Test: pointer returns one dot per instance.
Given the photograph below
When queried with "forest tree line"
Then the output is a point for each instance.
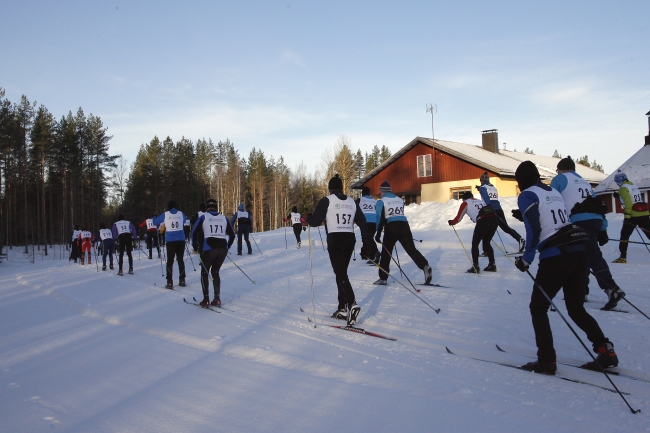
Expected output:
(57, 174)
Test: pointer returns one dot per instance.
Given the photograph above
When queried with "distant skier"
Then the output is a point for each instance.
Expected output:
(209, 236)
(390, 214)
(86, 239)
(562, 265)
(105, 237)
(195, 218)
(636, 212)
(124, 231)
(186, 229)
(340, 213)
(297, 222)
(75, 244)
(487, 221)
(368, 206)
(244, 222)
(152, 235)
(588, 212)
(174, 221)
(490, 196)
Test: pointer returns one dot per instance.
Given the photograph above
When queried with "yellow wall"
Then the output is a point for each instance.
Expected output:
(441, 192)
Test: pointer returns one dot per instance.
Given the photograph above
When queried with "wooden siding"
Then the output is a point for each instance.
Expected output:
(402, 173)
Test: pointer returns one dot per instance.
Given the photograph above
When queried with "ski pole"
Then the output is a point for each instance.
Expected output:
(417, 240)
(639, 232)
(321, 238)
(96, 262)
(461, 244)
(403, 285)
(624, 298)
(233, 262)
(504, 246)
(311, 275)
(190, 255)
(629, 242)
(400, 268)
(286, 244)
(258, 248)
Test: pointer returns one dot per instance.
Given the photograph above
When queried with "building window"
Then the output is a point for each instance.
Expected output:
(457, 193)
(424, 165)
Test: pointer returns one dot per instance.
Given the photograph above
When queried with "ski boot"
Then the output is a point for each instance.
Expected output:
(540, 367)
(340, 314)
(169, 285)
(606, 357)
(353, 314)
(380, 282)
(427, 274)
(492, 267)
(298, 245)
(104, 268)
(620, 260)
(473, 270)
(131, 271)
(111, 268)
(216, 302)
(119, 272)
(205, 302)
(181, 283)
(614, 297)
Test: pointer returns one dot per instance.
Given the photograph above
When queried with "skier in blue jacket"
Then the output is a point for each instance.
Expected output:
(175, 239)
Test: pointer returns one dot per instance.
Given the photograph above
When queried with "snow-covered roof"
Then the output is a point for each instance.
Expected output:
(504, 163)
(637, 169)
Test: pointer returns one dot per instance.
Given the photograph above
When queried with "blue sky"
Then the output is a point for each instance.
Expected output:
(291, 77)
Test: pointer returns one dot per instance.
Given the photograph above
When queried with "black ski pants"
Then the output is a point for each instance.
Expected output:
(211, 261)
(175, 249)
(243, 229)
(340, 247)
(126, 243)
(108, 245)
(398, 231)
(503, 225)
(152, 241)
(297, 228)
(483, 232)
(629, 224)
(595, 260)
(372, 254)
(570, 272)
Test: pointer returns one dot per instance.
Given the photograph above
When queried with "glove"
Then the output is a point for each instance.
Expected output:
(478, 188)
(450, 222)
(304, 229)
(195, 247)
(516, 213)
(378, 238)
(602, 237)
(521, 264)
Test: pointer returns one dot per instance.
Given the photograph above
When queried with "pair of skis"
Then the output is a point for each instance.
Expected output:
(350, 328)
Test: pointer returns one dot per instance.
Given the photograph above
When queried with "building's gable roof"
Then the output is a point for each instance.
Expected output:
(503, 163)
(637, 169)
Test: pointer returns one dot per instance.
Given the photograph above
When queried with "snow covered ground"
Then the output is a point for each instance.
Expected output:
(89, 351)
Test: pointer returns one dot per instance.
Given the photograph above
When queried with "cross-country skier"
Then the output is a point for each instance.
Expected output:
(105, 237)
(368, 205)
(490, 196)
(244, 222)
(487, 221)
(210, 232)
(588, 212)
(125, 233)
(152, 235)
(636, 212)
(297, 222)
(340, 213)
(86, 239)
(562, 265)
(174, 221)
(390, 215)
(75, 244)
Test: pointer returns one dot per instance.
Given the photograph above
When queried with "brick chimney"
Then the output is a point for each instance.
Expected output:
(647, 137)
(490, 140)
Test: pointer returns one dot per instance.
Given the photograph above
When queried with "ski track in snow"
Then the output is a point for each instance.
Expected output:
(83, 350)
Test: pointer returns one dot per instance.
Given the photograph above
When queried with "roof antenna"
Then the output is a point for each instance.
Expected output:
(433, 109)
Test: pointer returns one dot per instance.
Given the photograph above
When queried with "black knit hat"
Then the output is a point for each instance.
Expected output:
(171, 205)
(526, 175)
(385, 186)
(365, 191)
(467, 195)
(210, 203)
(335, 183)
(294, 209)
(566, 164)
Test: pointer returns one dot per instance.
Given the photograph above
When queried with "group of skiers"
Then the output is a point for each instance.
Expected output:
(565, 222)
